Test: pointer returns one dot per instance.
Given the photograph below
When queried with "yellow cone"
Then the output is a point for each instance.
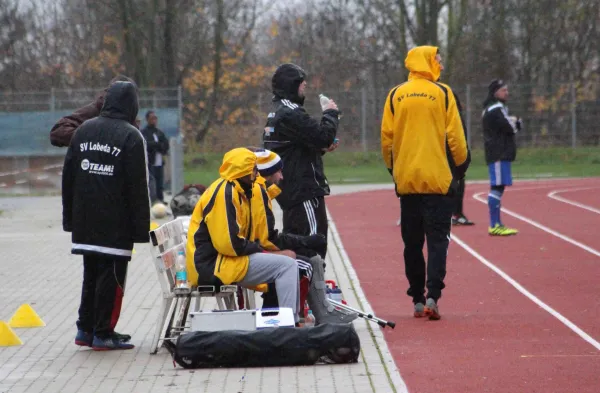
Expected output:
(25, 317)
(8, 337)
(153, 225)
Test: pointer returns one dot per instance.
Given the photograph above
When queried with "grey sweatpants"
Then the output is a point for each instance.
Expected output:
(267, 268)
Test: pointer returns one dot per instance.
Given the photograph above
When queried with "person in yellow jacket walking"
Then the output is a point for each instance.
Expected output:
(221, 236)
(422, 139)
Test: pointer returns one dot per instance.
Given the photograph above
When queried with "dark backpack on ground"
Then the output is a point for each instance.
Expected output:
(184, 201)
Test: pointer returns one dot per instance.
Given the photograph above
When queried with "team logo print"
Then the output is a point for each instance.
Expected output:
(97, 169)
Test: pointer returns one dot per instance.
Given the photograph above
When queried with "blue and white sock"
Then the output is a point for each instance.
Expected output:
(494, 202)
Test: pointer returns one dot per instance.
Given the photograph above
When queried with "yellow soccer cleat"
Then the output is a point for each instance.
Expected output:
(501, 230)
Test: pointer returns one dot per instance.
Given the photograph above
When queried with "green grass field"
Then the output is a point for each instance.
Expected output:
(345, 167)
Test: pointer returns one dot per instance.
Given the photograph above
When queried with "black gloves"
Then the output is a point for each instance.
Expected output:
(288, 241)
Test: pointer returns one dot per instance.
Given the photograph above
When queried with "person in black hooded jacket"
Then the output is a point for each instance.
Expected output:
(300, 141)
(106, 207)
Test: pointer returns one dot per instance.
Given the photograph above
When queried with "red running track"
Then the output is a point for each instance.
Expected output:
(491, 337)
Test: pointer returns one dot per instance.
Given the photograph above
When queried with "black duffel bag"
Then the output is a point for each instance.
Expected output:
(272, 347)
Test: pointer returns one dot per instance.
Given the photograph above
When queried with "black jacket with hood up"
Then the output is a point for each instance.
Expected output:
(299, 139)
(104, 184)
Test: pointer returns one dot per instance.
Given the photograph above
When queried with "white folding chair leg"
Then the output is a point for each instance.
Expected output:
(220, 304)
(230, 301)
(163, 316)
(180, 317)
(167, 322)
(249, 299)
(197, 300)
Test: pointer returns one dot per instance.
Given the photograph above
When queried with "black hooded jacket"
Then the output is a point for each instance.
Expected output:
(104, 183)
(299, 139)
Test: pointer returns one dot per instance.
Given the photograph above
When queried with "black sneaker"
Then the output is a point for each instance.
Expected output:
(124, 338)
(109, 344)
(461, 220)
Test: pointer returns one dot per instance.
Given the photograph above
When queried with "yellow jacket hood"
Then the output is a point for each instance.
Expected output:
(421, 63)
(237, 163)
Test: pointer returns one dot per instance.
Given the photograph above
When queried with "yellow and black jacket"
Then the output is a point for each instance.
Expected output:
(221, 227)
(262, 211)
(421, 129)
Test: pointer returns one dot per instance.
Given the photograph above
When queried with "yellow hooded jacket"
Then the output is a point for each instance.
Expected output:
(221, 230)
(420, 122)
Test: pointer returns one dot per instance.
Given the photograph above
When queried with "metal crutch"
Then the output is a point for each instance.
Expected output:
(368, 317)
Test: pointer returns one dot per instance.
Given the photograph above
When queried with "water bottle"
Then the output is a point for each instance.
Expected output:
(181, 282)
(336, 295)
(309, 321)
(324, 101)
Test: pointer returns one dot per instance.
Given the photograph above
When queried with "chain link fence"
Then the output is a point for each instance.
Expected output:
(29, 164)
(559, 114)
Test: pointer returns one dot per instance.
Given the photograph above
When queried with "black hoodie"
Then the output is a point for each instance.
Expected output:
(104, 183)
(299, 139)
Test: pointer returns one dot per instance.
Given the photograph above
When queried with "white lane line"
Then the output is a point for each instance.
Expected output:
(542, 227)
(528, 294)
(553, 195)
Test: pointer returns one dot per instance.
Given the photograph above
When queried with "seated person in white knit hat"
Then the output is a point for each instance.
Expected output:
(311, 270)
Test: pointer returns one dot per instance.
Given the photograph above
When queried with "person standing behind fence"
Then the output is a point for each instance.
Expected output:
(158, 146)
(420, 125)
(106, 208)
(62, 132)
(500, 151)
(300, 141)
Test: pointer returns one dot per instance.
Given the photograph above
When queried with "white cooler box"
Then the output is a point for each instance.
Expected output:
(212, 321)
(274, 317)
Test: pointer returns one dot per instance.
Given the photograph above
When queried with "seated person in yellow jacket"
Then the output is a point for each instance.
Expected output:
(311, 270)
(221, 233)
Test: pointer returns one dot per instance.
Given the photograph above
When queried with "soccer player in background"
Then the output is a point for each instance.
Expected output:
(499, 132)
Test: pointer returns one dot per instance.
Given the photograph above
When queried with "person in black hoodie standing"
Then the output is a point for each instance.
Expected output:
(300, 141)
(157, 146)
(106, 208)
